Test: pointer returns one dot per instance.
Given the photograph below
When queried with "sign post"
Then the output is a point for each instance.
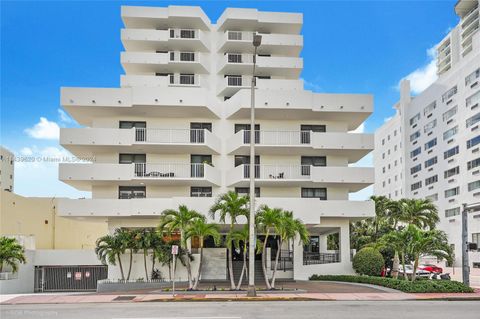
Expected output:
(174, 253)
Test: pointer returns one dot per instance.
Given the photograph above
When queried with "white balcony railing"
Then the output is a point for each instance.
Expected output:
(172, 136)
(169, 170)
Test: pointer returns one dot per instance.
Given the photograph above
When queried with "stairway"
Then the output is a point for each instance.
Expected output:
(237, 270)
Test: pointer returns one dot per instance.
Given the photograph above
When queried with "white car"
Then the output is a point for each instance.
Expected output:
(409, 271)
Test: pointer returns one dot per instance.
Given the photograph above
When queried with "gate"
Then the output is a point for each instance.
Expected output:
(68, 278)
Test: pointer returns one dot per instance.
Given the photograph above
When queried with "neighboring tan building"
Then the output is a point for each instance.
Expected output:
(7, 165)
(431, 147)
(176, 132)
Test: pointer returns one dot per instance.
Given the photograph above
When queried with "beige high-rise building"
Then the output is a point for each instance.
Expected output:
(7, 168)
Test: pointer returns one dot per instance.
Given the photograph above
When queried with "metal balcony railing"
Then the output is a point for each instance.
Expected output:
(169, 170)
(279, 137)
(314, 258)
(281, 172)
(170, 136)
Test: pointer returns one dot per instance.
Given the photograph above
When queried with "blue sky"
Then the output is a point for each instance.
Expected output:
(349, 47)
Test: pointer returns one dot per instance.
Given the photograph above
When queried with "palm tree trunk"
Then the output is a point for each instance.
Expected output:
(403, 264)
(130, 265)
(153, 263)
(264, 261)
(279, 244)
(395, 265)
(415, 266)
(197, 280)
(230, 261)
(244, 268)
(121, 266)
(183, 243)
(145, 263)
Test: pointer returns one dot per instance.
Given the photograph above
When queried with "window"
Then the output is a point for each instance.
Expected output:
(473, 99)
(415, 152)
(449, 133)
(415, 169)
(451, 172)
(416, 185)
(234, 58)
(308, 161)
(473, 186)
(132, 124)
(245, 191)
(187, 34)
(430, 162)
(128, 192)
(473, 163)
(320, 193)
(235, 35)
(429, 126)
(450, 113)
(472, 142)
(132, 158)
(473, 120)
(414, 136)
(415, 119)
(196, 191)
(431, 180)
(452, 212)
(472, 77)
(187, 79)
(430, 144)
(452, 192)
(451, 152)
(430, 108)
(448, 95)
(476, 239)
(187, 56)
(432, 198)
(306, 129)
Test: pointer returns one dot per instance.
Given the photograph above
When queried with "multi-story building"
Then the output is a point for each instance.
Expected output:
(177, 131)
(430, 148)
(7, 168)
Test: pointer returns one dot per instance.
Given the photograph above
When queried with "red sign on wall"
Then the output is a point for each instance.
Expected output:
(78, 275)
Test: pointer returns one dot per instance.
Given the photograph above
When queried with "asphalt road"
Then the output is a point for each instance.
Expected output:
(251, 310)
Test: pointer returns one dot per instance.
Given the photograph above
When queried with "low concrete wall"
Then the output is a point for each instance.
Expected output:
(128, 286)
(24, 283)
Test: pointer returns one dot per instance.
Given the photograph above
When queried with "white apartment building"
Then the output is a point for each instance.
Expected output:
(7, 168)
(431, 147)
(176, 132)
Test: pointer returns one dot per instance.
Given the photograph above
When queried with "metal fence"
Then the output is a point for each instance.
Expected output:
(68, 278)
(310, 258)
(285, 260)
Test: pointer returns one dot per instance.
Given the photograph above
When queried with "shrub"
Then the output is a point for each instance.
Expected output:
(368, 261)
(417, 286)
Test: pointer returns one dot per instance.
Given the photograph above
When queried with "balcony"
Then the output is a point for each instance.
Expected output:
(171, 80)
(285, 67)
(309, 210)
(288, 104)
(153, 40)
(164, 62)
(279, 44)
(87, 104)
(90, 141)
(231, 84)
(83, 176)
(354, 146)
(353, 178)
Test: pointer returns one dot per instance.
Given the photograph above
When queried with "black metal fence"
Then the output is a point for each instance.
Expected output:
(285, 260)
(314, 258)
(68, 278)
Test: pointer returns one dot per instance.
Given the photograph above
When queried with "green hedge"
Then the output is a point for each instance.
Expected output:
(417, 286)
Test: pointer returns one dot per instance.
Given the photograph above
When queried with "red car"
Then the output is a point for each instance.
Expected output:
(431, 268)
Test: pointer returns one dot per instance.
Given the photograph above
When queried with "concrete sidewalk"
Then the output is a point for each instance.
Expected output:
(122, 298)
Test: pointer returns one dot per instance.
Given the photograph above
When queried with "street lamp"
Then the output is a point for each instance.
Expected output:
(257, 40)
(465, 245)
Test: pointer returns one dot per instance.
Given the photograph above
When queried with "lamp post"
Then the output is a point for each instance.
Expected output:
(465, 264)
(257, 40)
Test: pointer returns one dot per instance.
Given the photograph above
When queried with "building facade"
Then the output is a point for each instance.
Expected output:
(177, 131)
(430, 148)
(7, 168)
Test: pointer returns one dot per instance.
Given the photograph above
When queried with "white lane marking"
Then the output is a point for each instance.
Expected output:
(183, 318)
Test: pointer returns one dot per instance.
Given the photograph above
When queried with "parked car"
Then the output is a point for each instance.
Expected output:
(431, 268)
(409, 271)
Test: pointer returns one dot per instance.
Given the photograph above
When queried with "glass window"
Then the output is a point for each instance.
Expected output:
(416, 168)
(430, 144)
(320, 193)
(128, 192)
(449, 133)
(414, 136)
(450, 113)
(416, 185)
(196, 191)
(433, 197)
(473, 163)
(452, 212)
(430, 108)
(415, 119)
(430, 126)
(472, 77)
(473, 185)
(415, 152)
(246, 191)
(452, 192)
(473, 99)
(476, 239)
(451, 172)
(132, 158)
(431, 180)
(451, 152)
(473, 120)
(431, 161)
(448, 95)
(472, 142)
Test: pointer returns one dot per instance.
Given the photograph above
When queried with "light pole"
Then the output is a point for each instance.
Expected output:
(257, 40)
(465, 264)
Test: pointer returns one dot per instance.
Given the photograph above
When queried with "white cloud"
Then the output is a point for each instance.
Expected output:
(360, 129)
(311, 86)
(385, 120)
(27, 151)
(424, 76)
(44, 129)
(64, 117)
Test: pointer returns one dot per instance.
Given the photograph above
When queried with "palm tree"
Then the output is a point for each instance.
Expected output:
(419, 212)
(109, 249)
(266, 219)
(287, 228)
(157, 245)
(200, 229)
(396, 240)
(180, 220)
(144, 240)
(431, 242)
(231, 205)
(127, 240)
(382, 206)
(11, 253)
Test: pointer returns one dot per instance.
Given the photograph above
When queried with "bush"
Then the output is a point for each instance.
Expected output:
(417, 286)
(368, 261)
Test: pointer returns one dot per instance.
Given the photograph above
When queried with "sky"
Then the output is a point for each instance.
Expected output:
(349, 47)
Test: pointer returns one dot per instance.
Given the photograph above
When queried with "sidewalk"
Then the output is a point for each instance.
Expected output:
(117, 298)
